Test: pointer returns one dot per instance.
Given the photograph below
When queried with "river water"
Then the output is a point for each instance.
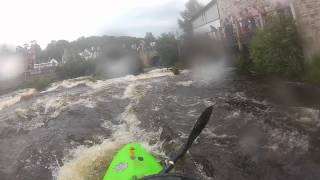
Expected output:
(74, 128)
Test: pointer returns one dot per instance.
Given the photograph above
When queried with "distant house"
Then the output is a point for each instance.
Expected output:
(52, 63)
(43, 68)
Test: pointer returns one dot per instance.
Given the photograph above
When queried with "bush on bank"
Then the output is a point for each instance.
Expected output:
(40, 83)
(275, 50)
(312, 70)
(73, 69)
(243, 61)
(167, 47)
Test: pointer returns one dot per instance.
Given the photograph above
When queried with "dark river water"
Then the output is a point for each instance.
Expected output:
(258, 130)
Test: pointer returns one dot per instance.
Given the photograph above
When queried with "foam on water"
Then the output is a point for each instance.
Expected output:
(184, 83)
(27, 123)
(54, 105)
(90, 163)
(129, 92)
(210, 134)
(308, 115)
(100, 84)
(45, 107)
(209, 72)
(9, 100)
(290, 141)
(68, 83)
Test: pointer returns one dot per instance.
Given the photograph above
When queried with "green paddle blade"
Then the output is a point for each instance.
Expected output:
(132, 162)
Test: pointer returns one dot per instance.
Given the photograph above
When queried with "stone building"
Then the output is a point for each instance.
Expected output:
(306, 12)
(236, 8)
(308, 18)
(207, 19)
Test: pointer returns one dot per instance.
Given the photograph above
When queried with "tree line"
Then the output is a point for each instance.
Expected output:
(56, 49)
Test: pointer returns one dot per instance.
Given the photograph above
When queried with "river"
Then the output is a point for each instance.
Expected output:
(74, 128)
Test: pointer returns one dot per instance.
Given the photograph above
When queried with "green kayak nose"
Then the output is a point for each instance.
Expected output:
(132, 162)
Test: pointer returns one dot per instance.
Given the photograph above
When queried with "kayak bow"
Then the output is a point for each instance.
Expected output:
(133, 162)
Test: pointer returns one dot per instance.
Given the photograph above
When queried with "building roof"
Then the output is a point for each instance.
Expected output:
(53, 61)
(209, 5)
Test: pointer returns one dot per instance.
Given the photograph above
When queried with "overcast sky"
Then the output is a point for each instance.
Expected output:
(46, 20)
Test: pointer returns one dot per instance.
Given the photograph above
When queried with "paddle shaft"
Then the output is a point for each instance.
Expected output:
(196, 130)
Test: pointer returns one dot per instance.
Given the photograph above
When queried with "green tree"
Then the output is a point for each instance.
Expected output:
(70, 54)
(36, 49)
(73, 69)
(149, 38)
(191, 8)
(55, 49)
(43, 56)
(167, 47)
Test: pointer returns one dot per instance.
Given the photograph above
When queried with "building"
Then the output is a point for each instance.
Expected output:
(42, 69)
(31, 69)
(28, 56)
(217, 15)
(243, 16)
(240, 8)
(207, 20)
(307, 13)
(52, 63)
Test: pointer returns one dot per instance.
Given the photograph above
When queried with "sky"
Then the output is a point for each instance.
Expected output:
(46, 20)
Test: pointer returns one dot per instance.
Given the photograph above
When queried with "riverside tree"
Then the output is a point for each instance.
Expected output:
(167, 47)
(191, 8)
